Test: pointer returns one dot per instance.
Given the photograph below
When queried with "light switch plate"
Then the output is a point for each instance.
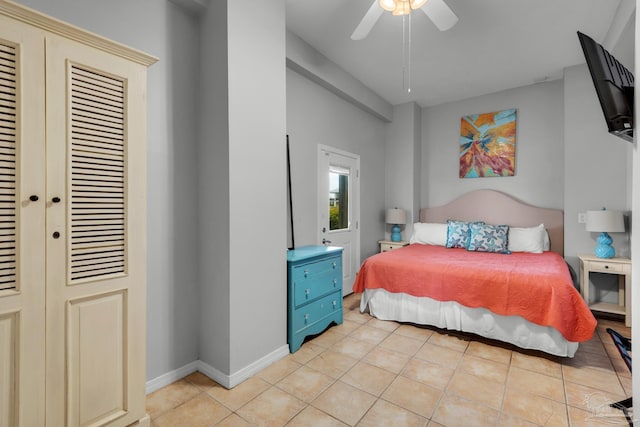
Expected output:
(582, 217)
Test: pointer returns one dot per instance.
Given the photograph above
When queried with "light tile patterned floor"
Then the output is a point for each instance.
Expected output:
(367, 372)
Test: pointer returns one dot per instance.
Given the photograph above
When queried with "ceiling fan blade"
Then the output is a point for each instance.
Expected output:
(368, 21)
(440, 14)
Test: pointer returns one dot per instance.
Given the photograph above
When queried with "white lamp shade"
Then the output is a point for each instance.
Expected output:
(396, 216)
(605, 221)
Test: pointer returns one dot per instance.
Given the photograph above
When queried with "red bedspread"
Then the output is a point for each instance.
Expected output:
(537, 287)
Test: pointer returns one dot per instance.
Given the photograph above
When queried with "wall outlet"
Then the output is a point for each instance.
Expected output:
(582, 217)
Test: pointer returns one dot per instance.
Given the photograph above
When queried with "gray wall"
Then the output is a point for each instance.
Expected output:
(307, 61)
(317, 116)
(257, 163)
(172, 294)
(213, 187)
(243, 184)
(596, 172)
(539, 147)
(403, 164)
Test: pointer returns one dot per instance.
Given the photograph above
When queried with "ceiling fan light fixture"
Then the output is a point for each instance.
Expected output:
(403, 7)
(417, 4)
(388, 5)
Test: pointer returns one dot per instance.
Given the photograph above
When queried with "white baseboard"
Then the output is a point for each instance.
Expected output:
(258, 365)
(172, 376)
(227, 381)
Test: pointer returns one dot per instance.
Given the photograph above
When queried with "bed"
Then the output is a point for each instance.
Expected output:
(525, 297)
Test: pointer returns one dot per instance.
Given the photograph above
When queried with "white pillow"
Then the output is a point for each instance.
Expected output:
(429, 233)
(528, 239)
(547, 243)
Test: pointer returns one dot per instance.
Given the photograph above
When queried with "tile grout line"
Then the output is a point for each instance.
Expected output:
(504, 388)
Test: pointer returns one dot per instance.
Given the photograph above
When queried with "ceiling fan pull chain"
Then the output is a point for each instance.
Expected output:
(406, 52)
(409, 55)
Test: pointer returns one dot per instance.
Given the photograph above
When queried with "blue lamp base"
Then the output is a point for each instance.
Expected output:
(395, 233)
(604, 248)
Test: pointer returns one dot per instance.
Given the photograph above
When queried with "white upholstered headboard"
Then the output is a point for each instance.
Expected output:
(494, 207)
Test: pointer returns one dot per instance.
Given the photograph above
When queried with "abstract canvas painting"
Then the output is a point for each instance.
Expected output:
(488, 144)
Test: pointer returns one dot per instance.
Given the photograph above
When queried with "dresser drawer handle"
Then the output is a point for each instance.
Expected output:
(306, 273)
(606, 267)
(334, 304)
(306, 317)
(307, 292)
(333, 264)
(335, 282)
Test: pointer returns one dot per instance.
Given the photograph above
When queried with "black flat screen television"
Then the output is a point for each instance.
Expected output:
(614, 86)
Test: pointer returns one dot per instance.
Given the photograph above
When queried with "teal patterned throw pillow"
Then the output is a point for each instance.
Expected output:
(457, 234)
(488, 238)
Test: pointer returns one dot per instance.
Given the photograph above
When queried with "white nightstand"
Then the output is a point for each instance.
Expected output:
(388, 245)
(619, 266)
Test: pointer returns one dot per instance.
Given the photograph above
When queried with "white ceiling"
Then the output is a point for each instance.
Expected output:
(496, 44)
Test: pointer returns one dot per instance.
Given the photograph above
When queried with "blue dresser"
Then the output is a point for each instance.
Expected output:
(314, 291)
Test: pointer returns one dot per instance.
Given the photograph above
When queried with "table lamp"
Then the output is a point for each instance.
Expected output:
(604, 222)
(395, 216)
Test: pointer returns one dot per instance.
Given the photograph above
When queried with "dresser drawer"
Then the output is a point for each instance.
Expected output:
(388, 245)
(315, 269)
(310, 288)
(606, 267)
(312, 313)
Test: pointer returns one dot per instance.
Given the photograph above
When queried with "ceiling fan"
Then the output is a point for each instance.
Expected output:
(437, 11)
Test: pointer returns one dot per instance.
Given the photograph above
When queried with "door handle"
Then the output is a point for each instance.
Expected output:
(325, 241)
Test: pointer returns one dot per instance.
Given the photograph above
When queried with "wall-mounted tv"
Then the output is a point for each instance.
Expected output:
(614, 86)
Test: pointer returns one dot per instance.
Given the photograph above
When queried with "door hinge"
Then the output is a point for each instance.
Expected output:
(357, 225)
(357, 173)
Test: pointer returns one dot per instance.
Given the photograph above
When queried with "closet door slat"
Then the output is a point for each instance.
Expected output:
(98, 165)
(7, 166)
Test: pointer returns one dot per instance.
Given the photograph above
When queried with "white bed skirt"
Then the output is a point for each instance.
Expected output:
(451, 315)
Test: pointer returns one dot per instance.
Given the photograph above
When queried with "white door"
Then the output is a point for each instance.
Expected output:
(95, 222)
(339, 208)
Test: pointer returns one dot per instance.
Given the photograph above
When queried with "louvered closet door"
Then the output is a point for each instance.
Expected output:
(95, 237)
(22, 280)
